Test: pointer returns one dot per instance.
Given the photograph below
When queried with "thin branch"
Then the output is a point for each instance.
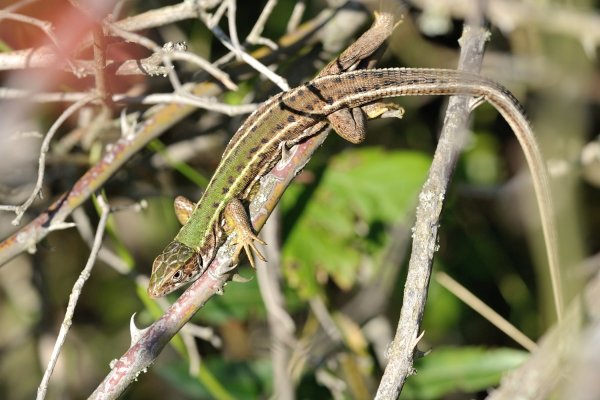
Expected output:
(165, 15)
(171, 52)
(484, 310)
(255, 35)
(74, 297)
(205, 65)
(192, 352)
(431, 198)
(296, 16)
(203, 332)
(102, 86)
(247, 58)
(231, 10)
(182, 98)
(20, 210)
(200, 102)
(550, 369)
(84, 227)
(281, 324)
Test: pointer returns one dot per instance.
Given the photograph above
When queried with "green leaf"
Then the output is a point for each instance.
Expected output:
(466, 369)
(361, 186)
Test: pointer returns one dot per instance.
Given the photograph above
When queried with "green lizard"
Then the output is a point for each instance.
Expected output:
(338, 96)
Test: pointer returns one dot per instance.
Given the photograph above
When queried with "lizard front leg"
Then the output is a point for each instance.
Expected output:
(236, 220)
(184, 208)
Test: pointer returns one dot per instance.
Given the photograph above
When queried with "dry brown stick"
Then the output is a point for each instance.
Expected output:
(102, 84)
(451, 143)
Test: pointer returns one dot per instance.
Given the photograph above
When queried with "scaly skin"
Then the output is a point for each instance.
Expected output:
(286, 118)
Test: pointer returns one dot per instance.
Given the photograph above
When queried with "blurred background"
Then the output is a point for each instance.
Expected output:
(344, 225)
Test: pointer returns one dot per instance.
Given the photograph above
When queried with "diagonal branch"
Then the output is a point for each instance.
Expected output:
(150, 344)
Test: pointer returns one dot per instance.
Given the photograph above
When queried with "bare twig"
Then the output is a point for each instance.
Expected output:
(204, 333)
(281, 325)
(431, 198)
(253, 62)
(20, 210)
(165, 15)
(484, 310)
(192, 352)
(74, 297)
(84, 227)
(231, 10)
(325, 319)
(102, 85)
(296, 16)
(196, 101)
(551, 367)
(255, 35)
(169, 52)
(183, 98)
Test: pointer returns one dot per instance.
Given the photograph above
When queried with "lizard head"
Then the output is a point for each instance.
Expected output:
(177, 265)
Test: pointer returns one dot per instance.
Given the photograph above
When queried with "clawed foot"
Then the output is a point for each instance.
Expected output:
(236, 220)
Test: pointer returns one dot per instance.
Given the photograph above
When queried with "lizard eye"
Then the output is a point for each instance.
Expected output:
(177, 276)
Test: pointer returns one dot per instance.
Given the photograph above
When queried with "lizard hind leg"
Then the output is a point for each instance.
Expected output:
(350, 124)
(236, 220)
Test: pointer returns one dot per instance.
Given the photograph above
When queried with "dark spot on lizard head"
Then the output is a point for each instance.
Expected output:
(291, 118)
